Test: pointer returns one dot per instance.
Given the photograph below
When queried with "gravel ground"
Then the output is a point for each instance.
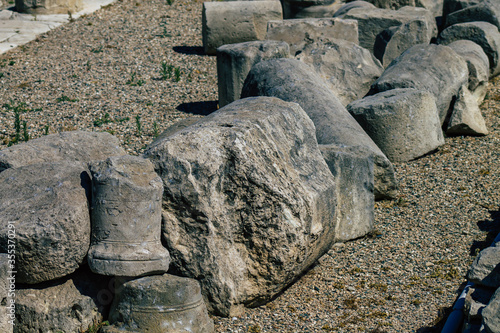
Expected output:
(103, 72)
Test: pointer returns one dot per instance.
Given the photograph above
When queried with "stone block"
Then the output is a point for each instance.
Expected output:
(485, 11)
(232, 22)
(47, 203)
(434, 6)
(7, 301)
(126, 218)
(293, 81)
(160, 303)
(466, 118)
(351, 5)
(404, 123)
(485, 269)
(484, 34)
(293, 8)
(491, 314)
(49, 6)
(434, 68)
(234, 61)
(450, 6)
(300, 32)
(249, 202)
(476, 300)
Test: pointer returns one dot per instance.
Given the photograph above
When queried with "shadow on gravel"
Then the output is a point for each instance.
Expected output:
(199, 108)
(492, 227)
(438, 323)
(189, 50)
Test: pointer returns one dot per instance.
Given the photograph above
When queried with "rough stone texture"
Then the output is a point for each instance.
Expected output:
(293, 81)
(353, 172)
(485, 270)
(160, 304)
(434, 6)
(72, 146)
(7, 309)
(373, 21)
(491, 317)
(47, 203)
(404, 123)
(348, 68)
(351, 5)
(300, 32)
(450, 6)
(486, 11)
(478, 65)
(174, 128)
(126, 218)
(321, 11)
(234, 61)
(466, 118)
(72, 304)
(390, 43)
(476, 300)
(292, 8)
(484, 34)
(249, 202)
(49, 6)
(434, 68)
(232, 22)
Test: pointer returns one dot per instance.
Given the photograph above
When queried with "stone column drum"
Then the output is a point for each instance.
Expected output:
(159, 304)
(126, 218)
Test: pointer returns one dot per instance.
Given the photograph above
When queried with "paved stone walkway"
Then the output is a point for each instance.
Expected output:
(18, 29)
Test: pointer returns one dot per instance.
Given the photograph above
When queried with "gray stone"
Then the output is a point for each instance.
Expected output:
(466, 118)
(72, 146)
(293, 8)
(174, 128)
(320, 11)
(249, 202)
(478, 65)
(47, 204)
(293, 81)
(485, 269)
(434, 68)
(390, 43)
(450, 6)
(300, 32)
(49, 6)
(486, 11)
(126, 218)
(72, 304)
(348, 68)
(484, 34)
(353, 172)
(372, 22)
(161, 303)
(234, 61)
(404, 123)
(232, 22)
(435, 6)
(491, 314)
(351, 5)
(7, 300)
(475, 301)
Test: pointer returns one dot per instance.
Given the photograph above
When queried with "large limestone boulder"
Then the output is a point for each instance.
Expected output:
(491, 314)
(293, 81)
(434, 6)
(486, 11)
(47, 203)
(49, 6)
(72, 146)
(485, 269)
(434, 68)
(249, 202)
(372, 22)
(478, 65)
(72, 304)
(466, 118)
(232, 22)
(159, 303)
(404, 123)
(300, 32)
(234, 61)
(484, 34)
(348, 68)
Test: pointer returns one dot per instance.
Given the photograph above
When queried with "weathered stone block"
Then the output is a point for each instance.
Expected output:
(292, 8)
(404, 123)
(47, 204)
(232, 22)
(466, 118)
(300, 32)
(234, 61)
(49, 6)
(249, 202)
(485, 11)
(293, 81)
(351, 5)
(160, 303)
(491, 317)
(126, 218)
(434, 68)
(476, 300)
(485, 269)
(7, 301)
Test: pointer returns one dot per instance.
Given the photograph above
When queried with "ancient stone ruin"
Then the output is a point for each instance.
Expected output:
(242, 202)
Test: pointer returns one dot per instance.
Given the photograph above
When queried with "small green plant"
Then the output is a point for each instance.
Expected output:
(88, 65)
(18, 110)
(166, 70)
(254, 329)
(65, 98)
(177, 73)
(97, 327)
(97, 49)
(170, 2)
(70, 17)
(103, 120)
(1, 75)
(26, 135)
(155, 129)
(133, 82)
(138, 124)
(123, 119)
(12, 63)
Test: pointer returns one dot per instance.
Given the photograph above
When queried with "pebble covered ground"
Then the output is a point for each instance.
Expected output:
(135, 67)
